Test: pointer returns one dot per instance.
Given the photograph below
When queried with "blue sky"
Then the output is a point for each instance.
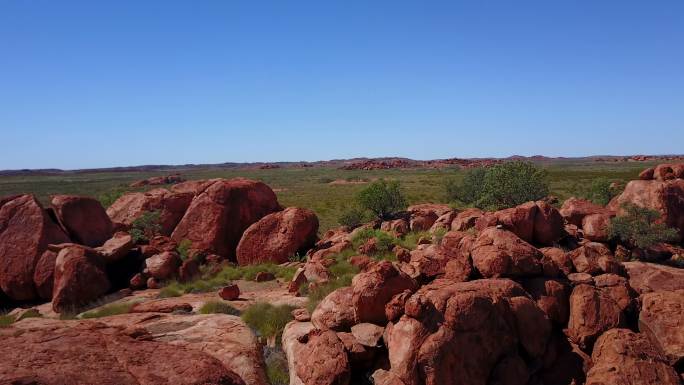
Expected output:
(97, 84)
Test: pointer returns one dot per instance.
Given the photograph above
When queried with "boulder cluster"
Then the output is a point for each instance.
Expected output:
(75, 251)
(526, 295)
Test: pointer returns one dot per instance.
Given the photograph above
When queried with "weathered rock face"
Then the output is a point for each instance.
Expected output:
(552, 297)
(44, 274)
(292, 334)
(335, 311)
(594, 258)
(461, 333)
(423, 216)
(80, 278)
(278, 236)
(216, 218)
(83, 218)
(548, 224)
(163, 266)
(466, 219)
(25, 232)
(116, 248)
(323, 360)
(622, 357)
(667, 197)
(429, 261)
(662, 320)
(559, 258)
(518, 220)
(374, 288)
(500, 253)
(574, 210)
(443, 223)
(592, 312)
(164, 305)
(170, 205)
(158, 349)
(595, 227)
(667, 171)
(398, 227)
(648, 277)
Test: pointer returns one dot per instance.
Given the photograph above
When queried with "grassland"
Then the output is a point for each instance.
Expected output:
(311, 187)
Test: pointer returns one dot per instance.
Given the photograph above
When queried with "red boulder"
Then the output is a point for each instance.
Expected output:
(170, 205)
(278, 236)
(500, 253)
(25, 231)
(80, 278)
(217, 217)
(83, 218)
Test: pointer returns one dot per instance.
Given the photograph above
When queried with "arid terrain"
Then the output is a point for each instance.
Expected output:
(367, 271)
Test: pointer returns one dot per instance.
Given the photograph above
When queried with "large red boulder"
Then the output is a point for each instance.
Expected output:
(83, 218)
(552, 297)
(500, 253)
(44, 274)
(574, 210)
(622, 357)
(594, 258)
(548, 224)
(80, 278)
(666, 197)
(423, 216)
(667, 171)
(595, 226)
(592, 312)
(25, 231)
(170, 205)
(662, 320)
(519, 220)
(335, 311)
(323, 360)
(429, 261)
(84, 352)
(278, 236)
(466, 219)
(648, 277)
(465, 333)
(163, 265)
(374, 288)
(217, 217)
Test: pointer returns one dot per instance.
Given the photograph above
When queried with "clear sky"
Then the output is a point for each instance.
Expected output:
(112, 83)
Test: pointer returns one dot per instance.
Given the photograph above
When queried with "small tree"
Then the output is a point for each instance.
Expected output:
(512, 183)
(470, 189)
(383, 198)
(146, 226)
(638, 228)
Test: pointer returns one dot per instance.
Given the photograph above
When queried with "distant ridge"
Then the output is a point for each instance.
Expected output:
(343, 163)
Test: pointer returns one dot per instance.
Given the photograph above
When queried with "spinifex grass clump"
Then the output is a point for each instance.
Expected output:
(210, 282)
(218, 307)
(268, 320)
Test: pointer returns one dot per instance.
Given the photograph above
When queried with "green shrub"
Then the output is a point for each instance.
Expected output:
(470, 190)
(268, 320)
(208, 283)
(600, 191)
(382, 198)
(276, 368)
(6, 320)
(503, 185)
(352, 217)
(107, 198)
(638, 228)
(218, 307)
(385, 240)
(183, 249)
(108, 310)
(410, 240)
(146, 226)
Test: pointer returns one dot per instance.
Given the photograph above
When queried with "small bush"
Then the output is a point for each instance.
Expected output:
(6, 320)
(268, 320)
(470, 190)
(503, 185)
(638, 228)
(106, 199)
(382, 198)
(276, 368)
(108, 310)
(410, 240)
(600, 191)
(169, 291)
(218, 307)
(183, 249)
(352, 217)
(385, 240)
(146, 226)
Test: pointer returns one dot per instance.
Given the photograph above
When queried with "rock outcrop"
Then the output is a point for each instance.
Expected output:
(84, 219)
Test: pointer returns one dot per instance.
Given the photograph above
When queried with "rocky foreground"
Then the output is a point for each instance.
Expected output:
(526, 295)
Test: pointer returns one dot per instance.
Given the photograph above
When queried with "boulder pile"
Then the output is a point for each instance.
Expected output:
(525, 295)
(75, 251)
